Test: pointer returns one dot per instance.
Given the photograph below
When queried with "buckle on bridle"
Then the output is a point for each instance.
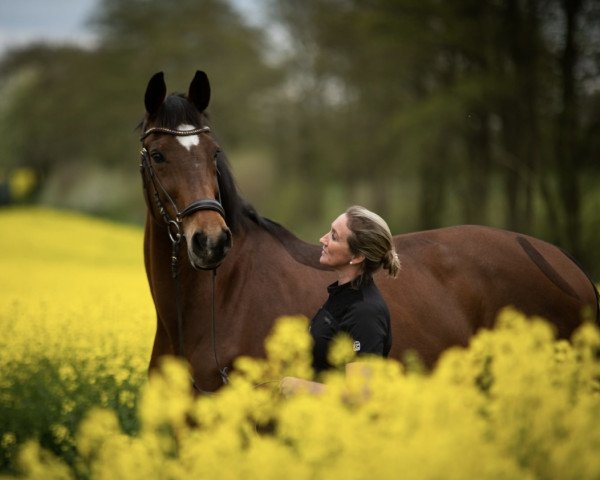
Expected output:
(174, 229)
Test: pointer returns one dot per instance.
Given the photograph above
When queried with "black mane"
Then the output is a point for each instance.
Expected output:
(238, 212)
(237, 209)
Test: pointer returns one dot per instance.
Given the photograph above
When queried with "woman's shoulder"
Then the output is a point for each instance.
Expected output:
(370, 305)
(370, 293)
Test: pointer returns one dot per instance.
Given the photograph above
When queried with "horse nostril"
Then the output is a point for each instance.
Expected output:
(225, 237)
(199, 242)
(223, 243)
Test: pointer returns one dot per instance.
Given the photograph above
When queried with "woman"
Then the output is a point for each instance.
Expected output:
(358, 244)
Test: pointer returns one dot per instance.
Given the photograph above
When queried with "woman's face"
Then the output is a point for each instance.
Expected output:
(336, 253)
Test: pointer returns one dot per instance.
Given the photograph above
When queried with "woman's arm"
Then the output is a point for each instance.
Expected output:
(292, 385)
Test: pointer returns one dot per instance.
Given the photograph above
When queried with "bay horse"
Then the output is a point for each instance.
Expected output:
(453, 280)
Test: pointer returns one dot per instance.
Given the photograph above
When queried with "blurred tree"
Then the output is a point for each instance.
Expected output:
(141, 37)
(43, 118)
(479, 102)
(568, 156)
(70, 107)
(409, 83)
(525, 59)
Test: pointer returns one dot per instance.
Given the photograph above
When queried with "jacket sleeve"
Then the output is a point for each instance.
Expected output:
(367, 325)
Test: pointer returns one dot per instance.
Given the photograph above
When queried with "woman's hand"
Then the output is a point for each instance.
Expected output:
(292, 385)
(289, 386)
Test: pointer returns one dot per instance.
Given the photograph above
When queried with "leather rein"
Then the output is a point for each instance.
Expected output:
(174, 230)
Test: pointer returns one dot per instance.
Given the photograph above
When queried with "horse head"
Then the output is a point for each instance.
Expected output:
(180, 170)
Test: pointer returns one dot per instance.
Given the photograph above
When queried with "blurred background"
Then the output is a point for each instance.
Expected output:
(430, 112)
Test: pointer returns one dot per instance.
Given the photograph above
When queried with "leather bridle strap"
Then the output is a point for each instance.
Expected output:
(174, 230)
(196, 205)
(204, 204)
(177, 133)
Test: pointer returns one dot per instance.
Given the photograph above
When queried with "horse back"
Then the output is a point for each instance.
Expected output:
(455, 280)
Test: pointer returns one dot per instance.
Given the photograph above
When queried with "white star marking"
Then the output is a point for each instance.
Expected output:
(188, 141)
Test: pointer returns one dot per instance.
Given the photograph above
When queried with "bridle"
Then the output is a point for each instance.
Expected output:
(174, 229)
(196, 205)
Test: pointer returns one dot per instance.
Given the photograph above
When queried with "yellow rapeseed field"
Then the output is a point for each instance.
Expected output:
(77, 325)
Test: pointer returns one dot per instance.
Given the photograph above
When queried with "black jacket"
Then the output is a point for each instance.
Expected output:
(361, 313)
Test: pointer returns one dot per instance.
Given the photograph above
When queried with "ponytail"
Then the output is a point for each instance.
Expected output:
(370, 236)
(391, 263)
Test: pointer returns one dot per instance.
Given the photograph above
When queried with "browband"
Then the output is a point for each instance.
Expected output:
(177, 133)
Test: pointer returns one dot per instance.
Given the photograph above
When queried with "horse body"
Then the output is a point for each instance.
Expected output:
(453, 280)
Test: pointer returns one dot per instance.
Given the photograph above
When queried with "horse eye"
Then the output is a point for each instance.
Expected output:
(157, 157)
(217, 155)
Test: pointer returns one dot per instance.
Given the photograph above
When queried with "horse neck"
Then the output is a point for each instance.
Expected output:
(156, 239)
(248, 239)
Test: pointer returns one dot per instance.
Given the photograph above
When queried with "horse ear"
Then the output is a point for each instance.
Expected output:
(155, 93)
(199, 92)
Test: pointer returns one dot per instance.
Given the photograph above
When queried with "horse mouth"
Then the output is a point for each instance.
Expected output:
(208, 259)
(200, 265)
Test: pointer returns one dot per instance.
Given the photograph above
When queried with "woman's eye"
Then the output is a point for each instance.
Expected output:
(157, 157)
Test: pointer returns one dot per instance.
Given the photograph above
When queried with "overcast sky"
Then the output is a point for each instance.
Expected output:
(25, 21)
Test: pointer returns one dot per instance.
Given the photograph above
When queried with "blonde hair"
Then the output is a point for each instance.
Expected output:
(370, 236)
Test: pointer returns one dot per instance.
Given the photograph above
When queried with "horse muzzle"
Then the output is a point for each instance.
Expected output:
(206, 251)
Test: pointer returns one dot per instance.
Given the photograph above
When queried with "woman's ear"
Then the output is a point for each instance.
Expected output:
(356, 259)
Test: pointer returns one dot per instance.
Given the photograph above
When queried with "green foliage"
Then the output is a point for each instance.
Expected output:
(64, 106)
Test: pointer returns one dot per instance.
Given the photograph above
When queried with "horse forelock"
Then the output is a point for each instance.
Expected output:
(176, 110)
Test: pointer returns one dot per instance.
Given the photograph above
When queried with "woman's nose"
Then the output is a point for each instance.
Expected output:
(323, 240)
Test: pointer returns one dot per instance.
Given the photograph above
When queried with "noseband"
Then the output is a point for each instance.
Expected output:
(174, 228)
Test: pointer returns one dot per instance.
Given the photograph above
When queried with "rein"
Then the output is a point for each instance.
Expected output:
(174, 230)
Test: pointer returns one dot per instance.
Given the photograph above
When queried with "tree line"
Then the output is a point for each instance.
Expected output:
(429, 112)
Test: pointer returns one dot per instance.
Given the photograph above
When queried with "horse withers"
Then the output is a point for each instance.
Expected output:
(453, 281)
